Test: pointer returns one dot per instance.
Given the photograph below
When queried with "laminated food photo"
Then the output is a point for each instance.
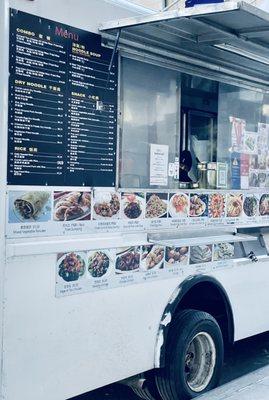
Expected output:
(100, 263)
(71, 266)
(178, 205)
(152, 257)
(29, 206)
(176, 256)
(156, 205)
(106, 205)
(251, 205)
(223, 251)
(72, 206)
(216, 207)
(201, 254)
(234, 205)
(198, 205)
(128, 260)
(133, 205)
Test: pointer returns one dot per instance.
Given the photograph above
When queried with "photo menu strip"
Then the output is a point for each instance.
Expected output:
(62, 105)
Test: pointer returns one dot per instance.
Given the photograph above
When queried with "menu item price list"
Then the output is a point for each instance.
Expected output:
(62, 105)
(91, 135)
(36, 130)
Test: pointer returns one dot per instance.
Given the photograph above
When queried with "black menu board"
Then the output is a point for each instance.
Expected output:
(62, 105)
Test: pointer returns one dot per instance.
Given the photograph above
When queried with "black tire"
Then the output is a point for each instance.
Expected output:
(149, 390)
(142, 393)
(173, 381)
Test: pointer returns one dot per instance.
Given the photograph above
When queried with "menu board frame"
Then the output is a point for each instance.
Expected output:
(82, 127)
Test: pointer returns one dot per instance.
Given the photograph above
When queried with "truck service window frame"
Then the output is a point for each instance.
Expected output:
(193, 113)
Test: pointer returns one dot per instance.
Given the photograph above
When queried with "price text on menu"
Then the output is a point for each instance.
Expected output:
(62, 105)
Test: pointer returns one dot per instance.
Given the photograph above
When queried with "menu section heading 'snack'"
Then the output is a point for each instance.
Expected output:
(62, 105)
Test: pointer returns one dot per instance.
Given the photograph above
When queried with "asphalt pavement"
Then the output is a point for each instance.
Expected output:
(245, 357)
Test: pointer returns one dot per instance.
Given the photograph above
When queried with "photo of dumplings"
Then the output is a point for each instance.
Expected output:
(72, 206)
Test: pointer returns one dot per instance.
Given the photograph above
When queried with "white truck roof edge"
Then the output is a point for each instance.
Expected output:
(131, 6)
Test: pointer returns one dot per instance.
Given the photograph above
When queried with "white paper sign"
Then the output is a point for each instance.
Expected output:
(159, 165)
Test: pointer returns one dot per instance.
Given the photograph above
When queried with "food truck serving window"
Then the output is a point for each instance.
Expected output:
(150, 107)
(185, 131)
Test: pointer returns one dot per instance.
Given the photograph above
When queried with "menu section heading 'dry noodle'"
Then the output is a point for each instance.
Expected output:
(62, 105)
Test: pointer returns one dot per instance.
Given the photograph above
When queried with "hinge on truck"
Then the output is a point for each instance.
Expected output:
(115, 48)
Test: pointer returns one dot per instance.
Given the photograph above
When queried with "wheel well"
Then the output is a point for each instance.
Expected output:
(199, 292)
(206, 296)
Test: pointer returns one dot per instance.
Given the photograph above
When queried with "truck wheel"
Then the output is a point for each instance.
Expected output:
(149, 390)
(143, 394)
(194, 356)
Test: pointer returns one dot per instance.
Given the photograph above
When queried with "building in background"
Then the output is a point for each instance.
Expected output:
(153, 4)
(161, 4)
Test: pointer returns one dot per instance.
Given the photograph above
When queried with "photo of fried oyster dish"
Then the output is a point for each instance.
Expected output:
(31, 205)
(176, 255)
(156, 207)
(106, 205)
(71, 267)
(98, 264)
(72, 206)
(234, 205)
(152, 256)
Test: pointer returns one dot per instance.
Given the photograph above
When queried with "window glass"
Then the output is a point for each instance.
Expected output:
(243, 134)
(150, 115)
(216, 135)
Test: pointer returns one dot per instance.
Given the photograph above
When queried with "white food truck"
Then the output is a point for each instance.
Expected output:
(134, 194)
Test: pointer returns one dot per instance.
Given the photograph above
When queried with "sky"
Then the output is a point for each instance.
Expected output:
(265, 4)
(261, 3)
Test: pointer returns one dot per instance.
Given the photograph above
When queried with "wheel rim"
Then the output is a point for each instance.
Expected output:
(200, 360)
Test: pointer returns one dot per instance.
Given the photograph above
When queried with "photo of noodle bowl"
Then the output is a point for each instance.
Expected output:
(32, 206)
(178, 205)
(234, 205)
(72, 206)
(156, 205)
